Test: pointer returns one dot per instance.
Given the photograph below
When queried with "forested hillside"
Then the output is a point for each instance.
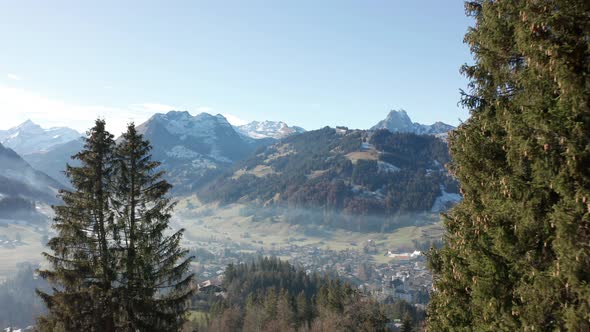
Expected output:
(355, 179)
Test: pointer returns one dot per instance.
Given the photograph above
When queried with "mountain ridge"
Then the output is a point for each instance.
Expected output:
(399, 121)
(268, 129)
(22, 186)
(29, 137)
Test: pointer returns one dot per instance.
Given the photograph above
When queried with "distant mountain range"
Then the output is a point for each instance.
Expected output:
(29, 137)
(259, 161)
(268, 129)
(192, 149)
(400, 122)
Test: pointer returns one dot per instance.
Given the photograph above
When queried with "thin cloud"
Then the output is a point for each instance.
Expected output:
(204, 109)
(155, 107)
(14, 77)
(234, 120)
(18, 105)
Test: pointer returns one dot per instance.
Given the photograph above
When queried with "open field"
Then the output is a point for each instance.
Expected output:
(365, 155)
(258, 171)
(197, 316)
(29, 250)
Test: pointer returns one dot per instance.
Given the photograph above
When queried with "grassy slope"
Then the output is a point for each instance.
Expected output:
(29, 251)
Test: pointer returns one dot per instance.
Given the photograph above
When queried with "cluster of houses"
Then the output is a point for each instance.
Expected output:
(404, 255)
(405, 280)
(404, 277)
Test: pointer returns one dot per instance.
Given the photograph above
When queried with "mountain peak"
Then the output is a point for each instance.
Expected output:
(399, 121)
(27, 125)
(396, 121)
(173, 114)
(401, 111)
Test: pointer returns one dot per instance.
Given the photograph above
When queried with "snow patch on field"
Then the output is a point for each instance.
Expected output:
(444, 200)
(387, 167)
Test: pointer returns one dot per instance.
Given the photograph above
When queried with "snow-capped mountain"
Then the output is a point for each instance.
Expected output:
(399, 121)
(268, 129)
(193, 148)
(29, 137)
(438, 128)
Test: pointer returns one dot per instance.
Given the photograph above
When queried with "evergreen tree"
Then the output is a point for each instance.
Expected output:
(516, 255)
(155, 286)
(113, 267)
(82, 267)
(253, 315)
(304, 310)
(407, 323)
(270, 306)
(285, 313)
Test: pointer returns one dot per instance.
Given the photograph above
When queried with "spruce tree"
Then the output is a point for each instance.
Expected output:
(253, 314)
(116, 265)
(304, 310)
(516, 254)
(407, 323)
(155, 279)
(82, 267)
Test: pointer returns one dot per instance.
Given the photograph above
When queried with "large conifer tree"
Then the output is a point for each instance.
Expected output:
(517, 252)
(155, 285)
(82, 267)
(114, 267)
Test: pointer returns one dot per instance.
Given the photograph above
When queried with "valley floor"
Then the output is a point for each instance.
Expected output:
(371, 260)
(19, 242)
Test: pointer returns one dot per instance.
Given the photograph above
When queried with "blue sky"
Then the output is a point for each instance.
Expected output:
(309, 63)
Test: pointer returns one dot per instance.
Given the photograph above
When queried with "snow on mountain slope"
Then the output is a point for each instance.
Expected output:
(268, 129)
(445, 200)
(29, 137)
(194, 148)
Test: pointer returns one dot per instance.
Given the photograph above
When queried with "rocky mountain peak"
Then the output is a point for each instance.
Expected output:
(399, 121)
